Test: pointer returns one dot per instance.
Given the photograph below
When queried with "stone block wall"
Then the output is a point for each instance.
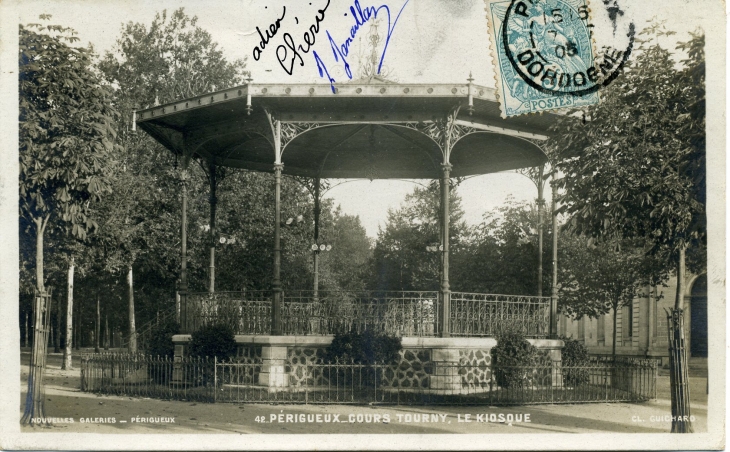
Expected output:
(440, 364)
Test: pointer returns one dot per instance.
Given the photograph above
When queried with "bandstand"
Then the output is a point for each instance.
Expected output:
(369, 130)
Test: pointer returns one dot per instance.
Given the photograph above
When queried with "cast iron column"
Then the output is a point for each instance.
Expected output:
(276, 285)
(540, 203)
(184, 254)
(213, 200)
(317, 211)
(554, 295)
(445, 292)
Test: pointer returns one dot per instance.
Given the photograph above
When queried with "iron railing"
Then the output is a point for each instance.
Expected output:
(246, 312)
(324, 312)
(482, 315)
(145, 331)
(401, 313)
(350, 383)
(148, 376)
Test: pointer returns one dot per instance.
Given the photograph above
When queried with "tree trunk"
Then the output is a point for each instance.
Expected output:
(57, 337)
(98, 326)
(681, 274)
(79, 324)
(613, 345)
(106, 331)
(67, 363)
(679, 378)
(132, 329)
(40, 227)
(26, 329)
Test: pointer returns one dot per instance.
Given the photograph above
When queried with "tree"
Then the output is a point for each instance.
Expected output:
(400, 258)
(171, 59)
(66, 135)
(635, 167)
(503, 252)
(351, 252)
(598, 278)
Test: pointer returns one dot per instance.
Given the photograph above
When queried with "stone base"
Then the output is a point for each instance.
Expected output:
(441, 365)
(273, 370)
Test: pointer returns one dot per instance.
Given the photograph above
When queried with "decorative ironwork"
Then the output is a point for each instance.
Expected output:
(344, 382)
(330, 312)
(291, 130)
(401, 313)
(321, 312)
(246, 312)
(483, 315)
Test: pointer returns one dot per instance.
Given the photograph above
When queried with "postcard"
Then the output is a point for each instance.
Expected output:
(344, 224)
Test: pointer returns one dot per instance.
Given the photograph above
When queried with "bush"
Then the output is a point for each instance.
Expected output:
(160, 342)
(574, 355)
(511, 352)
(364, 348)
(213, 340)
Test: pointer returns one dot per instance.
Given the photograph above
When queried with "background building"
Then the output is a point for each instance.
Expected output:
(642, 326)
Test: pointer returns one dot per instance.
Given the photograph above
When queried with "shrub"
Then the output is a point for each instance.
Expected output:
(213, 340)
(364, 348)
(574, 356)
(160, 342)
(511, 353)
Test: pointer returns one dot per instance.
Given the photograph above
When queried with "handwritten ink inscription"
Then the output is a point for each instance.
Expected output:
(291, 52)
(270, 33)
(309, 38)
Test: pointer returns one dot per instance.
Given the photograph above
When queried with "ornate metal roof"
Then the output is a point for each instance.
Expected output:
(361, 130)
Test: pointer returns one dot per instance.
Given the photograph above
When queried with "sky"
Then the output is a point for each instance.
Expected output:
(431, 42)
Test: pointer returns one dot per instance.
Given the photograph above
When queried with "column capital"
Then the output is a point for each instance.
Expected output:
(446, 167)
(278, 167)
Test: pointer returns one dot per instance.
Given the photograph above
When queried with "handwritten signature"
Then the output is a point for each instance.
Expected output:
(342, 51)
(290, 52)
(309, 37)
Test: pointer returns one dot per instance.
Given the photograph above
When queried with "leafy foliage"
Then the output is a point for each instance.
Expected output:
(364, 348)
(574, 355)
(66, 135)
(509, 357)
(400, 258)
(213, 340)
(160, 342)
(598, 277)
(635, 167)
(502, 252)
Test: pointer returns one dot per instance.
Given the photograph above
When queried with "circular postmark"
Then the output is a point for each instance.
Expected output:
(549, 44)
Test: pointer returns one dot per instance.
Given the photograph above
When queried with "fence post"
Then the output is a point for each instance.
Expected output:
(215, 379)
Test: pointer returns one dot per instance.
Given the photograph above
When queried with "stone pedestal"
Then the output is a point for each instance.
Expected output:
(273, 370)
(445, 369)
(177, 371)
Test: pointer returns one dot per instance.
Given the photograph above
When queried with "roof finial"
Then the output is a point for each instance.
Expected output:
(249, 109)
(470, 107)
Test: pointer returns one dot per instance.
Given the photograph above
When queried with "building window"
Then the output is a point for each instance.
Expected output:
(630, 318)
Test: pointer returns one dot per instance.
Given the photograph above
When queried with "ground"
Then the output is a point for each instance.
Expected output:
(65, 400)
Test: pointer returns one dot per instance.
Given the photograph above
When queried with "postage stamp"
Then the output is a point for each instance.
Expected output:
(362, 224)
(543, 55)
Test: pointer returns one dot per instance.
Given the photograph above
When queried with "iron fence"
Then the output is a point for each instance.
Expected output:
(246, 312)
(142, 375)
(144, 332)
(324, 312)
(435, 383)
(481, 315)
(401, 313)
